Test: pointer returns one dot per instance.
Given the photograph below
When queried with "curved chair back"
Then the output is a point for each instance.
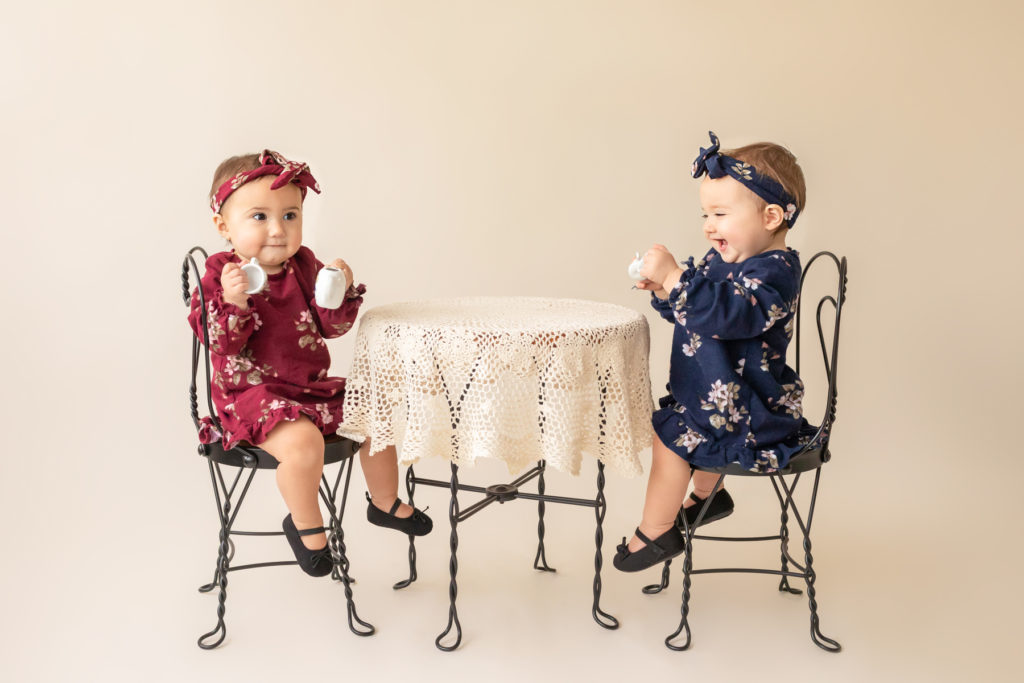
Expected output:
(188, 266)
(828, 344)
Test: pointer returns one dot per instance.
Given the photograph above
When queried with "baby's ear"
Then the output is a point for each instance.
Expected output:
(774, 217)
(221, 225)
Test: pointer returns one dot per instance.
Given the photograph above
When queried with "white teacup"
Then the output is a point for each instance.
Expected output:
(330, 287)
(256, 275)
(635, 266)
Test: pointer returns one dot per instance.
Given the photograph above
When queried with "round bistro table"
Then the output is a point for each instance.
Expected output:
(533, 382)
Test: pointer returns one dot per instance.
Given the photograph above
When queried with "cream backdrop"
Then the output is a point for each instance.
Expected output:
(508, 148)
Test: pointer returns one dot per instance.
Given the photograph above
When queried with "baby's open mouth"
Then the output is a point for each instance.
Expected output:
(721, 244)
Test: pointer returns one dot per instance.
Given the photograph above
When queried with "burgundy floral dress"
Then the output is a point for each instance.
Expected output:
(270, 362)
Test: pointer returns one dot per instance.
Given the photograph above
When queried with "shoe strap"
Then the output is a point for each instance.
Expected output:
(310, 532)
(700, 501)
(650, 544)
(398, 501)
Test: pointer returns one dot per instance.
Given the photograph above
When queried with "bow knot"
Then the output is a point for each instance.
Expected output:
(271, 163)
(709, 160)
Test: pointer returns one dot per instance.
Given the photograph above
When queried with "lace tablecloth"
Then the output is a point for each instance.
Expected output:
(519, 379)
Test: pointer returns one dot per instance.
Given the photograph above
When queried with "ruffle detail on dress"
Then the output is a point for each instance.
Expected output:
(701, 451)
(208, 432)
(320, 414)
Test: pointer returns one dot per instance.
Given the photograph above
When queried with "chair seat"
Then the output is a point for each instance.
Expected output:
(801, 462)
(336, 449)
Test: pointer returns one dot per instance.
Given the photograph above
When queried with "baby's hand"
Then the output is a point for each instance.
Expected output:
(343, 267)
(234, 282)
(660, 270)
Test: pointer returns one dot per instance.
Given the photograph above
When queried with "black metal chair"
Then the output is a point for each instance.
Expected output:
(247, 460)
(811, 458)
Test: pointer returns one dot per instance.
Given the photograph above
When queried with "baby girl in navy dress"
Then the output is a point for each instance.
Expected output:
(733, 398)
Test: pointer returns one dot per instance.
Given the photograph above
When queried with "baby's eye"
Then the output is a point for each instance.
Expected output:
(704, 216)
(259, 216)
(291, 215)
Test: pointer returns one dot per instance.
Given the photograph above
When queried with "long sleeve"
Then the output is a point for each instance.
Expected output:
(336, 322)
(330, 322)
(663, 307)
(743, 306)
(229, 326)
(666, 307)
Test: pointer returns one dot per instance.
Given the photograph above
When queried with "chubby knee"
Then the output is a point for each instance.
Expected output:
(308, 456)
(298, 444)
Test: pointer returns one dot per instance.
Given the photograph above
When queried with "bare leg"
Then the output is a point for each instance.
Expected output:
(666, 489)
(381, 473)
(703, 483)
(299, 448)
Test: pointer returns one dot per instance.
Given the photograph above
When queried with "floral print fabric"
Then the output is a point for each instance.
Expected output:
(270, 362)
(733, 398)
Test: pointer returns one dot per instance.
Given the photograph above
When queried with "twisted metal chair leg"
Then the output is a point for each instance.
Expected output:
(784, 586)
(540, 562)
(410, 488)
(820, 639)
(602, 618)
(688, 533)
(207, 587)
(684, 624)
(453, 568)
(215, 637)
(655, 588)
(336, 539)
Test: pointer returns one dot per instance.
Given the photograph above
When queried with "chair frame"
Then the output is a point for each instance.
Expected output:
(815, 454)
(247, 459)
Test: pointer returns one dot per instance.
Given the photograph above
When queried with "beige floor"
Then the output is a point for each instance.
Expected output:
(905, 606)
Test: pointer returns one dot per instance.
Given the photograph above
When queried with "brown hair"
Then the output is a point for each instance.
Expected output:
(776, 162)
(231, 167)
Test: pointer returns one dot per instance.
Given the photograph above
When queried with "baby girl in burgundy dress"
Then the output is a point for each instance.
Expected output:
(270, 360)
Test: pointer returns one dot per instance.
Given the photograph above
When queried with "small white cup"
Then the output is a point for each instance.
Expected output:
(635, 266)
(256, 275)
(330, 287)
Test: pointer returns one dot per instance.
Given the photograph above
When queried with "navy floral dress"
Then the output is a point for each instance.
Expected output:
(733, 398)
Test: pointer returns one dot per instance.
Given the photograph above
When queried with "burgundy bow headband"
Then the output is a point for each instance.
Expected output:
(271, 163)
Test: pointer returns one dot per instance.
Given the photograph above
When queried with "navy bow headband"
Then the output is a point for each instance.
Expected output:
(717, 165)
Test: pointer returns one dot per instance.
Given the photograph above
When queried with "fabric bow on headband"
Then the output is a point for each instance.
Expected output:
(271, 163)
(716, 165)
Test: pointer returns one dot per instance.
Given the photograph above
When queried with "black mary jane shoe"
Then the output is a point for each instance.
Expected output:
(721, 506)
(665, 547)
(416, 524)
(313, 562)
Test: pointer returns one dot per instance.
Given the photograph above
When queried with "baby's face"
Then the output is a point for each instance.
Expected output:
(263, 223)
(734, 222)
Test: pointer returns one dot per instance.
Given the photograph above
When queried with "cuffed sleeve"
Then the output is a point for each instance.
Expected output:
(666, 307)
(334, 322)
(229, 326)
